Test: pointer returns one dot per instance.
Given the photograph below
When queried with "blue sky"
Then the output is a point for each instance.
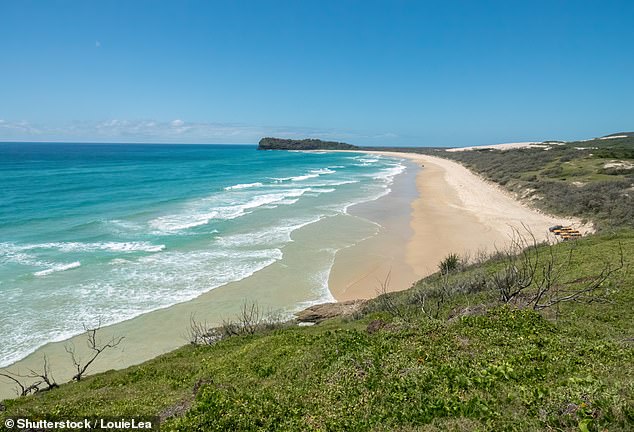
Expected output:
(366, 72)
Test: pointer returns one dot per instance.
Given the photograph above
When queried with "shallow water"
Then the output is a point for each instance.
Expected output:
(110, 232)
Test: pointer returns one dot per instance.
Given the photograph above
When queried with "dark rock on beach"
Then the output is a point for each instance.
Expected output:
(318, 313)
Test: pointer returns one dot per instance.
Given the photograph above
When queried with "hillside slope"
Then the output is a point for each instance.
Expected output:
(444, 355)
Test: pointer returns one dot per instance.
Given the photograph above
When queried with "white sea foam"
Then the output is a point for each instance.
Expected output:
(321, 291)
(135, 287)
(311, 174)
(323, 171)
(202, 216)
(12, 253)
(123, 225)
(27, 339)
(321, 190)
(339, 183)
(321, 279)
(276, 235)
(172, 223)
(58, 268)
(296, 178)
(304, 177)
(388, 174)
(380, 194)
(244, 186)
(289, 201)
(133, 246)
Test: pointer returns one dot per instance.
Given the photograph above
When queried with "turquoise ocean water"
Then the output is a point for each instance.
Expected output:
(114, 231)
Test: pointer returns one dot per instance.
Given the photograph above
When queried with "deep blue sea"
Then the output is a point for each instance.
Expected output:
(115, 231)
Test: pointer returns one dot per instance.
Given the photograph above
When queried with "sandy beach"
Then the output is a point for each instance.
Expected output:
(456, 211)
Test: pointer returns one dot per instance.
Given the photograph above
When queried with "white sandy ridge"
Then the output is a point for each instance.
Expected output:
(505, 146)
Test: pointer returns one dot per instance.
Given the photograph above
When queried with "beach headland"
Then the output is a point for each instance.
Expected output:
(455, 211)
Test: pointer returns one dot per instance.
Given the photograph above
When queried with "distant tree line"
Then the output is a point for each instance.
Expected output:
(304, 144)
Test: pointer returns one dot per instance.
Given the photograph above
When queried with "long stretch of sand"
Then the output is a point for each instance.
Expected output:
(456, 212)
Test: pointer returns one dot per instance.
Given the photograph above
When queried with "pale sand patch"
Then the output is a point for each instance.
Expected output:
(505, 146)
(458, 212)
(614, 137)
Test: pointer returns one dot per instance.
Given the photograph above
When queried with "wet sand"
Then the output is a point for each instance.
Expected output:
(379, 262)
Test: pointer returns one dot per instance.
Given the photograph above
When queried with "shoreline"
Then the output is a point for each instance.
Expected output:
(359, 270)
(456, 211)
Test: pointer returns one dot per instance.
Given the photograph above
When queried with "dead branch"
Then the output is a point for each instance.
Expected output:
(550, 294)
(200, 333)
(94, 346)
(250, 320)
(250, 317)
(521, 260)
(37, 378)
(533, 278)
(22, 389)
(386, 301)
(45, 376)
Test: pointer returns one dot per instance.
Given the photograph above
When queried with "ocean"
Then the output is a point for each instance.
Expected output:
(107, 232)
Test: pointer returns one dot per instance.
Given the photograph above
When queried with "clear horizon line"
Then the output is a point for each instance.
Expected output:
(198, 143)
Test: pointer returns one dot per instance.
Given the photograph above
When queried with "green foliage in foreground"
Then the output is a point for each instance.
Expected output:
(499, 369)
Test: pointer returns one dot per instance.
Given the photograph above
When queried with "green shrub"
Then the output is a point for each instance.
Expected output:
(449, 263)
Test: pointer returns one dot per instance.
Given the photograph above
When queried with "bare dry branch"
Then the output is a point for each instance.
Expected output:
(386, 301)
(551, 294)
(46, 377)
(37, 379)
(22, 389)
(94, 346)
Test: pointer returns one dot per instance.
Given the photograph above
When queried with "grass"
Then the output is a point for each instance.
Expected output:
(479, 365)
